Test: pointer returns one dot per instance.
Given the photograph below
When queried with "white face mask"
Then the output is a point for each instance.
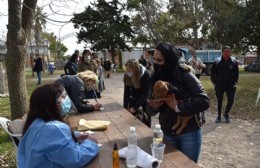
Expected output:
(130, 74)
(87, 58)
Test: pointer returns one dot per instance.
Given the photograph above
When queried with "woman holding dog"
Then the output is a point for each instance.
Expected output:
(188, 99)
(136, 89)
(47, 140)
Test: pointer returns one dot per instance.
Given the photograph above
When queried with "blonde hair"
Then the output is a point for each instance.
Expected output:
(135, 79)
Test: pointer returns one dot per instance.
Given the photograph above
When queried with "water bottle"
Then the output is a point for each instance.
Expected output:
(131, 152)
(157, 136)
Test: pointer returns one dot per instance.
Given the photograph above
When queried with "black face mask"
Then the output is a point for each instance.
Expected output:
(158, 68)
(158, 71)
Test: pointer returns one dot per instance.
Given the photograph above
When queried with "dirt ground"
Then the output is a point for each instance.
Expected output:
(233, 145)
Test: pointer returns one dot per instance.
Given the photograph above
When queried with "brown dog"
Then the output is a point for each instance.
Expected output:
(161, 89)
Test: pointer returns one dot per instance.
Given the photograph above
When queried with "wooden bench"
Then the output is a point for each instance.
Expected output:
(120, 121)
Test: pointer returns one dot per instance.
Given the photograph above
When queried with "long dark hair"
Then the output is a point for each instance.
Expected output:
(171, 57)
(43, 105)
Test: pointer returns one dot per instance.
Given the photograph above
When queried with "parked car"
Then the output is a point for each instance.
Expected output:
(254, 66)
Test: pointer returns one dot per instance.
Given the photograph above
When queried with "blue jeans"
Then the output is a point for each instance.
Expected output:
(189, 143)
(39, 76)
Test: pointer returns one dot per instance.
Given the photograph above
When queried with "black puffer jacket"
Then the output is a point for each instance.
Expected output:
(193, 101)
(225, 72)
(75, 88)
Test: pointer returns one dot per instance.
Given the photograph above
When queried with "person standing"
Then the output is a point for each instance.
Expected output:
(71, 67)
(87, 62)
(194, 100)
(38, 68)
(136, 90)
(196, 64)
(224, 76)
(143, 61)
(107, 67)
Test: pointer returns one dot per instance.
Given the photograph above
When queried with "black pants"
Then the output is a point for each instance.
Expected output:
(230, 91)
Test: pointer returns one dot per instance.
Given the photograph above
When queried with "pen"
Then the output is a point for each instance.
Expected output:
(95, 94)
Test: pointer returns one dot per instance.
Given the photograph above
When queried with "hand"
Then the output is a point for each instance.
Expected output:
(132, 110)
(81, 137)
(97, 107)
(170, 101)
(155, 104)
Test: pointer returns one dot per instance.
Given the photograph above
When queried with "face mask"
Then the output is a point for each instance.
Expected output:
(158, 68)
(87, 58)
(130, 74)
(65, 105)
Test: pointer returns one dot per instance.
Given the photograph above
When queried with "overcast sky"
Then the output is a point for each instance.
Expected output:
(64, 8)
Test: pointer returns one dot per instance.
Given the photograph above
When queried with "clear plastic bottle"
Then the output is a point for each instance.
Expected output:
(131, 152)
(157, 136)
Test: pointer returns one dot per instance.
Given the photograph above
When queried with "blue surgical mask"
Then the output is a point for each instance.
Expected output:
(65, 104)
(130, 74)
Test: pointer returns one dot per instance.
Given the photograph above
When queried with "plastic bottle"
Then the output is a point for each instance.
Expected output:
(115, 157)
(131, 152)
(157, 136)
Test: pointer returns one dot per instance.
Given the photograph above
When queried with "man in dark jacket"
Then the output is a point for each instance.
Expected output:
(224, 75)
(75, 88)
(38, 68)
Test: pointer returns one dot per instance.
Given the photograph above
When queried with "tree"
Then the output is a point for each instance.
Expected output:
(53, 45)
(242, 30)
(39, 23)
(219, 13)
(191, 14)
(19, 28)
(146, 15)
(103, 25)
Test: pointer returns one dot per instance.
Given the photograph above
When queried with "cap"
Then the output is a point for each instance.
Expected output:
(132, 129)
(157, 126)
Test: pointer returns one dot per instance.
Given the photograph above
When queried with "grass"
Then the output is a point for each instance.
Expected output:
(244, 107)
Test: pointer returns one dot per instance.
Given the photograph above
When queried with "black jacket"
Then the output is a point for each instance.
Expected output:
(37, 65)
(71, 68)
(224, 73)
(192, 100)
(75, 88)
(137, 97)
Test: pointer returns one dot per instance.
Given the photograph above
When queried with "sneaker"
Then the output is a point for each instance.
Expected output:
(226, 118)
(218, 120)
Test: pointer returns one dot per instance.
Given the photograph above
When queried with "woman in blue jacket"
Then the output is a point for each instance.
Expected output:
(49, 142)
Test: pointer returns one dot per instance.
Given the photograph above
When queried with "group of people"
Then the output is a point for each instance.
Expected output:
(189, 99)
(51, 102)
(88, 61)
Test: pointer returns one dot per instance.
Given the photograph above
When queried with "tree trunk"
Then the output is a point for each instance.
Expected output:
(18, 31)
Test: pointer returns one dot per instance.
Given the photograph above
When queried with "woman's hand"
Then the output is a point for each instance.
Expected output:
(155, 104)
(83, 136)
(97, 107)
(170, 101)
(132, 110)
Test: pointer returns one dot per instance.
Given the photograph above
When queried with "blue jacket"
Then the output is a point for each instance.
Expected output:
(50, 144)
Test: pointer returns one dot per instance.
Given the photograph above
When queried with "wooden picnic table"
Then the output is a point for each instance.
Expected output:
(120, 121)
